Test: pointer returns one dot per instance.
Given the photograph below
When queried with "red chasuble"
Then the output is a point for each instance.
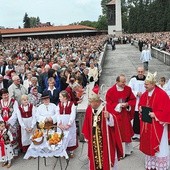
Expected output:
(151, 133)
(114, 140)
(113, 98)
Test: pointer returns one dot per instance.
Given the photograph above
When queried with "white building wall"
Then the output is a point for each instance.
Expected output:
(116, 29)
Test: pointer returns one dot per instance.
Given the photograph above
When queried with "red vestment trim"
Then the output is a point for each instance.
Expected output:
(114, 140)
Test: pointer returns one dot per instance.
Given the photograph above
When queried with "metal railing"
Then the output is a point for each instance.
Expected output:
(158, 54)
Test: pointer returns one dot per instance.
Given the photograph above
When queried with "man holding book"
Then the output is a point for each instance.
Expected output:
(155, 116)
(121, 103)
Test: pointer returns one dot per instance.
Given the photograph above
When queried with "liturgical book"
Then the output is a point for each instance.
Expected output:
(145, 114)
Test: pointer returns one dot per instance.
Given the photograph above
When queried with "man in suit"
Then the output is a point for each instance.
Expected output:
(85, 77)
(3, 82)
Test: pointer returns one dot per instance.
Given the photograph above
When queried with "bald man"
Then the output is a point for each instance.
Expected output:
(137, 85)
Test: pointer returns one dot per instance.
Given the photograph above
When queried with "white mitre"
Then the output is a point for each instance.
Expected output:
(151, 78)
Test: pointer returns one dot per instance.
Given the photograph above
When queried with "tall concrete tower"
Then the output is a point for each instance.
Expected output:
(114, 17)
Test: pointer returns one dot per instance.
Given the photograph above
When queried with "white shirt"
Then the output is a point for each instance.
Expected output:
(46, 111)
(137, 86)
(145, 56)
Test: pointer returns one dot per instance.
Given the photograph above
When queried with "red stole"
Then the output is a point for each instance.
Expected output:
(66, 109)
(26, 114)
(2, 145)
(151, 133)
(114, 140)
(124, 118)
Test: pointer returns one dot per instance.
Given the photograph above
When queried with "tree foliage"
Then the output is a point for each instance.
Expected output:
(102, 23)
(26, 21)
(149, 16)
(143, 15)
(30, 22)
(103, 5)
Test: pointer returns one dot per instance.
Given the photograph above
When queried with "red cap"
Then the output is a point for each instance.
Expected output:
(96, 89)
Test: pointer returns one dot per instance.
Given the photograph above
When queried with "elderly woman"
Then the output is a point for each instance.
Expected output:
(27, 83)
(34, 83)
(8, 114)
(34, 97)
(46, 111)
(93, 73)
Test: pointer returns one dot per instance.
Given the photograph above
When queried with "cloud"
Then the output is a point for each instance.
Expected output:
(54, 11)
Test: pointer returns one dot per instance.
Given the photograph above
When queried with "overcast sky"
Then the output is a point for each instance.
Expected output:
(58, 12)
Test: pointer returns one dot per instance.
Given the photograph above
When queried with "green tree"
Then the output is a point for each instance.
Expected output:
(141, 17)
(148, 15)
(33, 22)
(125, 17)
(133, 18)
(167, 16)
(26, 21)
(38, 21)
(88, 23)
(104, 7)
(102, 23)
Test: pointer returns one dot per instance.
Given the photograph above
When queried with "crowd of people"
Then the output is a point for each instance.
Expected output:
(158, 40)
(42, 82)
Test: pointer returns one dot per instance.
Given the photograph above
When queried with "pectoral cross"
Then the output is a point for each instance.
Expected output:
(95, 117)
(95, 120)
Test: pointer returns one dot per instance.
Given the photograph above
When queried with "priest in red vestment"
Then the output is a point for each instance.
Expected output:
(121, 102)
(155, 117)
(101, 130)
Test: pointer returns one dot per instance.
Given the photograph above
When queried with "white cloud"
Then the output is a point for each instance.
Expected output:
(54, 11)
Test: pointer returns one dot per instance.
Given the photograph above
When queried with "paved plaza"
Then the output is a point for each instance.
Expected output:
(125, 59)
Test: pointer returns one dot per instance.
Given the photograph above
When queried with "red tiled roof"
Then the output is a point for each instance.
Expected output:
(46, 29)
